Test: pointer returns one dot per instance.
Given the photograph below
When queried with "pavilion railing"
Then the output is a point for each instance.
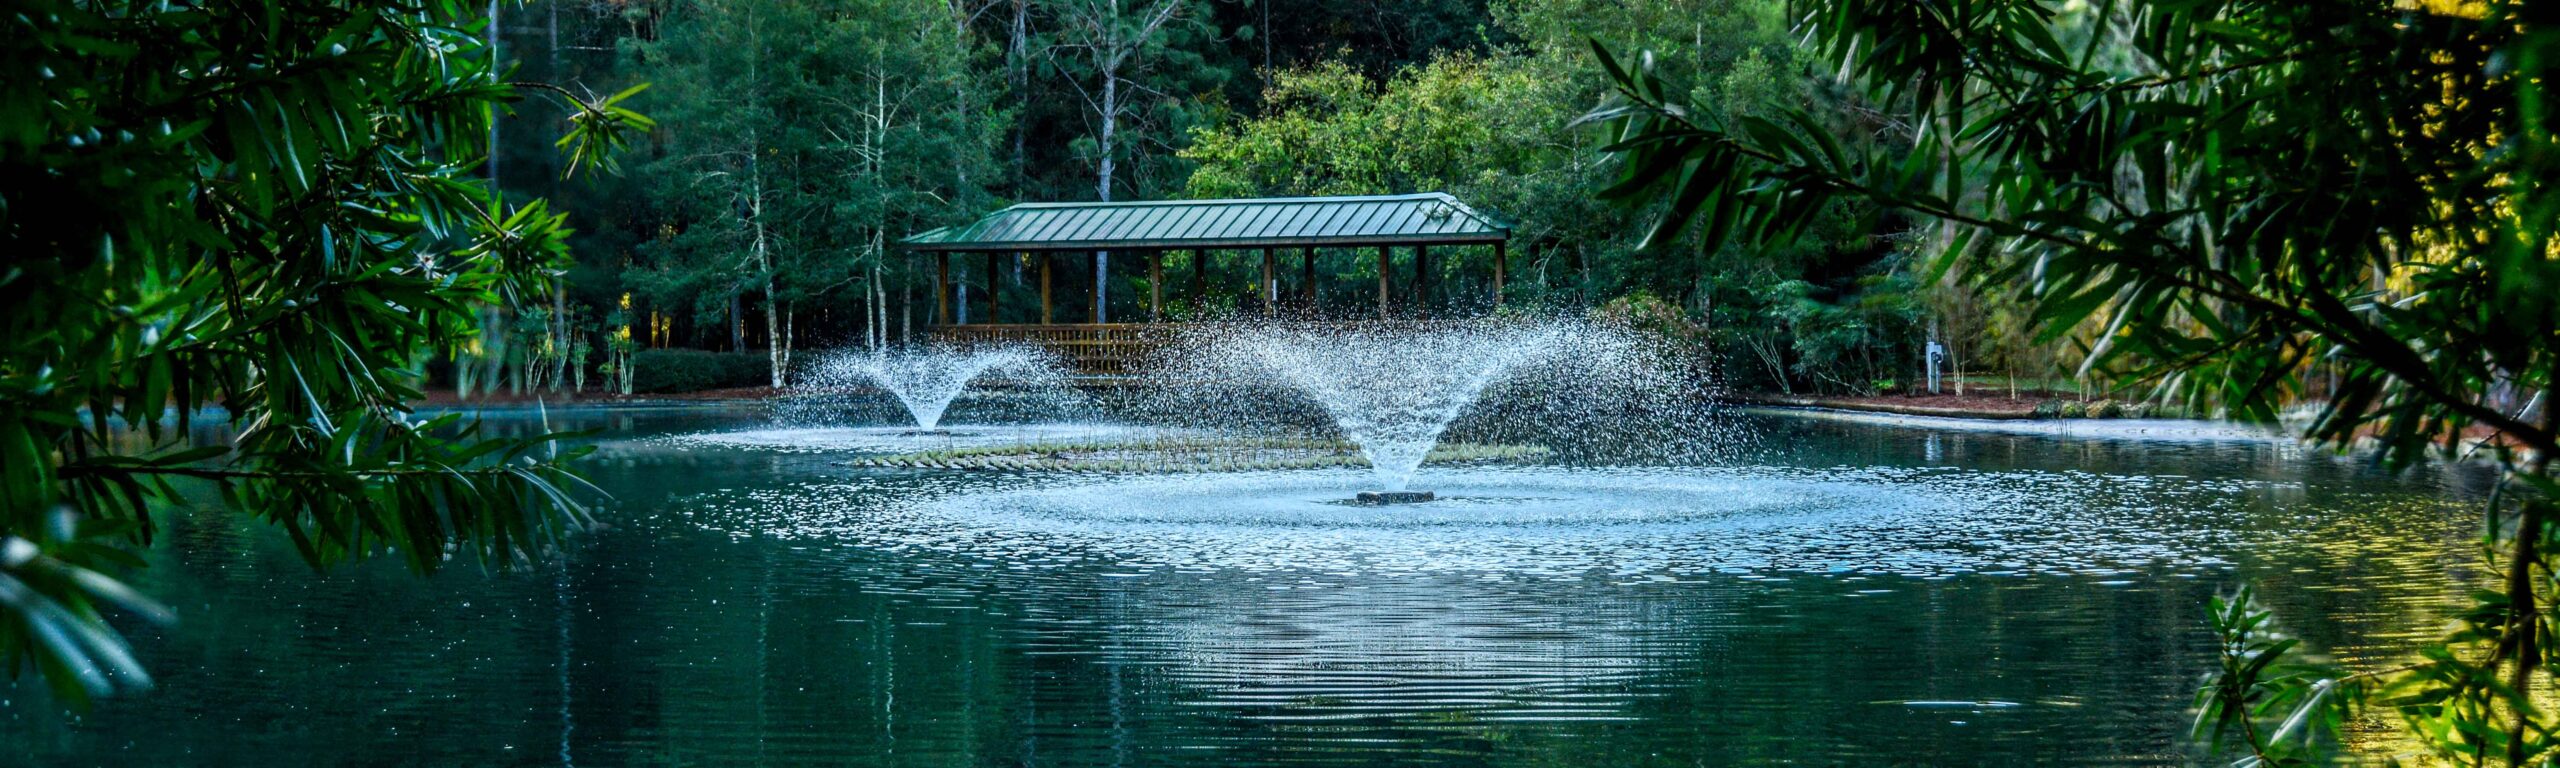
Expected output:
(1087, 349)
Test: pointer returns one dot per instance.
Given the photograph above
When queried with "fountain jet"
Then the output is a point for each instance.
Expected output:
(1391, 391)
(926, 380)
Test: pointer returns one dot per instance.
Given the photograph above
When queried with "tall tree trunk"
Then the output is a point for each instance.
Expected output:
(737, 321)
(493, 120)
(559, 331)
(879, 318)
(1017, 75)
(1113, 47)
(497, 361)
(781, 316)
(1102, 189)
(775, 352)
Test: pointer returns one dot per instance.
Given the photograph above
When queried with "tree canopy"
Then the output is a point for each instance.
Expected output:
(2231, 192)
(213, 208)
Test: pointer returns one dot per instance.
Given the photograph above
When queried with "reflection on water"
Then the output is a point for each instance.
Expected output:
(1508, 522)
(905, 439)
(1857, 593)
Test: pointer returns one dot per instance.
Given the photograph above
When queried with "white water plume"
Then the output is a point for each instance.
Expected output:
(1393, 390)
(926, 380)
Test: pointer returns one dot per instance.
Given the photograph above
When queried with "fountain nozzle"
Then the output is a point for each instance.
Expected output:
(1382, 498)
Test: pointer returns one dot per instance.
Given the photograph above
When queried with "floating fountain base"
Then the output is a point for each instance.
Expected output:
(934, 433)
(1381, 498)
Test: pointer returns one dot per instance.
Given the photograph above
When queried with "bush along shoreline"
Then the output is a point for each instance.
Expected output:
(1993, 407)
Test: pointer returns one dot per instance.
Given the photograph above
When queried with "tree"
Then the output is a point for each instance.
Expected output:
(1372, 38)
(1326, 130)
(1492, 130)
(212, 209)
(2230, 191)
(725, 162)
(812, 134)
(1107, 47)
(1496, 129)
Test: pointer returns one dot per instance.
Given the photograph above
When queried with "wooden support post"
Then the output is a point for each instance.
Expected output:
(992, 258)
(1383, 258)
(1500, 263)
(942, 288)
(1307, 281)
(1048, 315)
(1094, 314)
(1199, 281)
(1155, 286)
(1421, 279)
(1270, 284)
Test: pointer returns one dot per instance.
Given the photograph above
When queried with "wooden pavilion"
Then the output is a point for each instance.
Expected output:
(1152, 229)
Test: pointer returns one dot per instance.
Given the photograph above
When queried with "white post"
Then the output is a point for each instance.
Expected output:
(1936, 351)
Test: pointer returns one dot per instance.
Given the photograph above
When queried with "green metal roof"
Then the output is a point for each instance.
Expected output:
(1429, 218)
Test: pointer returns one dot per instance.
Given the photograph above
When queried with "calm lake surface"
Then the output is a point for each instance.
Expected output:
(1836, 593)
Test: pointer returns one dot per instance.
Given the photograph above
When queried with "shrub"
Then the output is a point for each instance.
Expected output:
(2074, 409)
(2106, 409)
(692, 370)
(2049, 409)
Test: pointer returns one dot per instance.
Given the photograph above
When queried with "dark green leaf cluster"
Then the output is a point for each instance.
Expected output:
(2222, 195)
(2271, 186)
(2263, 697)
(694, 370)
(262, 213)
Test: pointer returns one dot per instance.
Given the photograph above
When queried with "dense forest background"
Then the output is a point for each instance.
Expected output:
(798, 139)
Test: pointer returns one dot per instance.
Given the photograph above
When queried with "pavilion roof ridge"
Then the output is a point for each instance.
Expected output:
(1235, 201)
(1419, 218)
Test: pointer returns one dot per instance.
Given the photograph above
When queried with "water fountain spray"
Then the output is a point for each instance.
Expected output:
(1391, 390)
(926, 380)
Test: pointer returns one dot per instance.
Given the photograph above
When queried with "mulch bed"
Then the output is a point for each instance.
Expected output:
(1991, 405)
(445, 397)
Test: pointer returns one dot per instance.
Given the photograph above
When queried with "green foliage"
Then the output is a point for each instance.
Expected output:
(2261, 697)
(218, 207)
(1281, 35)
(1661, 319)
(659, 371)
(2219, 195)
(989, 100)
(1856, 340)
(1459, 123)
(808, 135)
(1496, 129)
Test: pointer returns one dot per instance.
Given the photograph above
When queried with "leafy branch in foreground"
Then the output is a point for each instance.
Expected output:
(2224, 194)
(207, 208)
(2278, 706)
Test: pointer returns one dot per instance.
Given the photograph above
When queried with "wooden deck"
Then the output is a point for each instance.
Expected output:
(1087, 349)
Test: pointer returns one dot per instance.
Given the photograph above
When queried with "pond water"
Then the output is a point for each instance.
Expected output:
(1838, 592)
